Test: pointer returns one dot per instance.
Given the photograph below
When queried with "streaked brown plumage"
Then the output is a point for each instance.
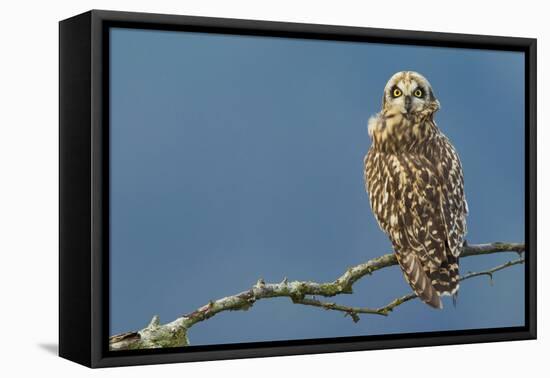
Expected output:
(415, 184)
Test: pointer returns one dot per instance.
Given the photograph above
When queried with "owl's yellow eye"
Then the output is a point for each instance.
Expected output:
(397, 92)
(418, 93)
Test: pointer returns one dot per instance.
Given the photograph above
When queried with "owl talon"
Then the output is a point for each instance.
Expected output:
(455, 299)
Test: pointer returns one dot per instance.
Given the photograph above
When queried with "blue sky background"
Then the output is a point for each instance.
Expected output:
(238, 157)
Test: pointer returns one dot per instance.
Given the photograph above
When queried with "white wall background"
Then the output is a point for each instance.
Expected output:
(29, 184)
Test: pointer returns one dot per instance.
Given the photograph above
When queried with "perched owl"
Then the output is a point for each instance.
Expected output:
(415, 184)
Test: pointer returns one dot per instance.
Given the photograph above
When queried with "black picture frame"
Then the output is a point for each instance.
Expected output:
(84, 175)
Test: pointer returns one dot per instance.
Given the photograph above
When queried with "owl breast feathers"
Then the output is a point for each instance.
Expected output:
(415, 183)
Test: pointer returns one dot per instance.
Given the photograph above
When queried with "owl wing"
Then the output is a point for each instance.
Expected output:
(423, 225)
(406, 201)
(453, 200)
(408, 197)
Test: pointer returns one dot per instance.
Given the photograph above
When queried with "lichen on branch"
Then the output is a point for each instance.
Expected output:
(174, 334)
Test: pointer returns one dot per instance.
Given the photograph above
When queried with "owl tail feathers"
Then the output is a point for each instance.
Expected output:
(446, 278)
(418, 279)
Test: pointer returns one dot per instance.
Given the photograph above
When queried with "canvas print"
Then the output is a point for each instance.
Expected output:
(269, 189)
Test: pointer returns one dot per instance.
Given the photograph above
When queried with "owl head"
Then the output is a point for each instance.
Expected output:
(408, 92)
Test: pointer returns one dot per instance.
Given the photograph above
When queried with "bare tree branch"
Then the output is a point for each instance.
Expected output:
(174, 334)
(354, 311)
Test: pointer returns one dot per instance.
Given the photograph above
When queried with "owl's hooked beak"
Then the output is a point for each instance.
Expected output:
(408, 103)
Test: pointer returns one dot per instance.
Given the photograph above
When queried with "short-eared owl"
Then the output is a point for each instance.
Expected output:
(416, 188)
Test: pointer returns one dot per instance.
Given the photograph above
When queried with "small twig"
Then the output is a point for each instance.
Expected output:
(390, 306)
(490, 272)
(350, 311)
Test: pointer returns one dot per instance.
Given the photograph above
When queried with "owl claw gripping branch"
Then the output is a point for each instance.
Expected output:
(415, 183)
